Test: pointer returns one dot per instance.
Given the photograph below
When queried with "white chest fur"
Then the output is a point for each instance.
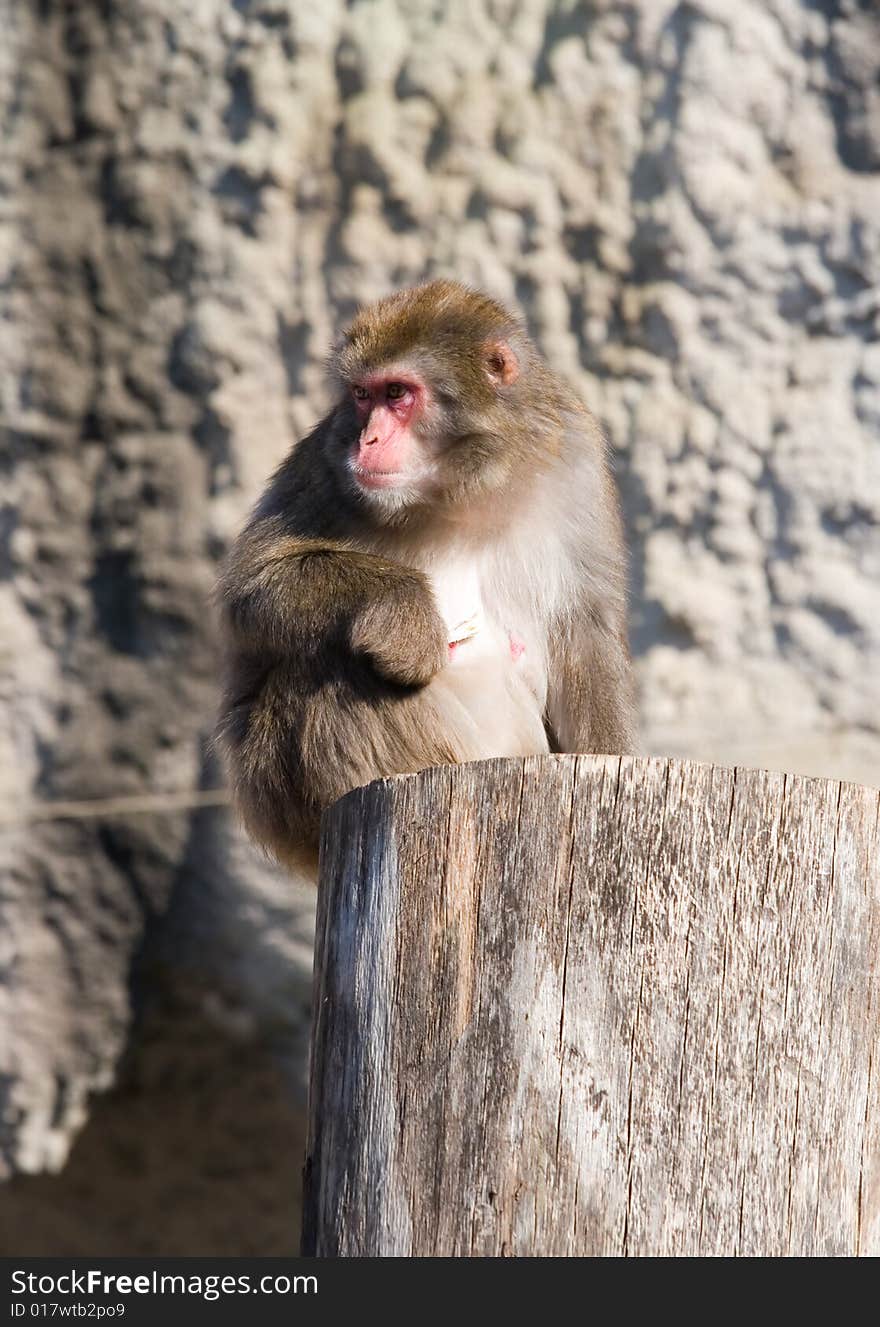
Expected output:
(487, 624)
(459, 594)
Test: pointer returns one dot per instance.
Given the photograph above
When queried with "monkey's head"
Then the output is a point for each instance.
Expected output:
(433, 382)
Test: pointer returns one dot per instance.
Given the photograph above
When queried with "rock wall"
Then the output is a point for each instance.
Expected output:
(684, 199)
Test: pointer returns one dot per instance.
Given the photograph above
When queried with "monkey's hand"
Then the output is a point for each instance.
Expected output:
(465, 630)
(400, 629)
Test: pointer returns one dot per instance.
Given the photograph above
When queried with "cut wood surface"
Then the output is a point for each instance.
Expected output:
(582, 1005)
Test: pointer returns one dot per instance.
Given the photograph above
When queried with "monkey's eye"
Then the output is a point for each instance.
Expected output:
(360, 393)
(396, 390)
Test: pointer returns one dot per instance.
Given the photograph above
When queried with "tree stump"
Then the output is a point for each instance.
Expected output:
(584, 1005)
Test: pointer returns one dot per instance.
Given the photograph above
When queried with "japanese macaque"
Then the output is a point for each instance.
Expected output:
(435, 574)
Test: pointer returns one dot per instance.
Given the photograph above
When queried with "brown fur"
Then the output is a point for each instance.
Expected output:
(335, 648)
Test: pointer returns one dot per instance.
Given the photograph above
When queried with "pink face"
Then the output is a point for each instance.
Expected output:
(387, 454)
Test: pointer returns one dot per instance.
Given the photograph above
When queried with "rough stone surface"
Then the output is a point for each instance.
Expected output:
(685, 201)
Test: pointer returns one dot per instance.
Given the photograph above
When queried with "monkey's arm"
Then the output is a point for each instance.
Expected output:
(591, 696)
(281, 595)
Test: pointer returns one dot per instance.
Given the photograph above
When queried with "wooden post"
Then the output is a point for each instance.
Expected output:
(580, 1005)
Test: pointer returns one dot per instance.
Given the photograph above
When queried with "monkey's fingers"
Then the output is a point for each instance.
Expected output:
(466, 630)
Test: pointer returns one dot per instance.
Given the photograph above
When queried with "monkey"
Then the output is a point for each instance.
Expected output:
(435, 574)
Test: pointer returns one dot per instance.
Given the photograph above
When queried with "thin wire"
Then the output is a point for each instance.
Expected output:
(147, 804)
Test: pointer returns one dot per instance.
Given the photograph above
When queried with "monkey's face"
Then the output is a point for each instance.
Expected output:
(423, 442)
(392, 461)
(431, 381)
(423, 438)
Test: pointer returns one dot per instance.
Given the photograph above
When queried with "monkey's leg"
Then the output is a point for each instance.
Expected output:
(591, 701)
(299, 743)
(490, 710)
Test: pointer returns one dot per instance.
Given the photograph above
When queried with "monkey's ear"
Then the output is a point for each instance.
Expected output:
(502, 365)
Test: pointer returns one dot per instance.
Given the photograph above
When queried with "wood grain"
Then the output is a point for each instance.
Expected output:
(582, 1005)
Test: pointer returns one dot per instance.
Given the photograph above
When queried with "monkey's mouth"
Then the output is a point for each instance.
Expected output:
(379, 478)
